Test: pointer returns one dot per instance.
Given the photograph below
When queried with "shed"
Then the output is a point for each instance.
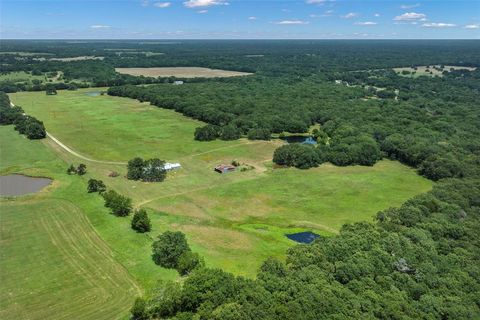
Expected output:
(177, 82)
(224, 168)
(172, 166)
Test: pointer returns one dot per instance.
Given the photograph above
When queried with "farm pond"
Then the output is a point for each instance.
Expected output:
(17, 185)
(303, 237)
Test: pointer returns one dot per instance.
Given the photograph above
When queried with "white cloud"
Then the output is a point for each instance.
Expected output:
(410, 6)
(411, 16)
(162, 4)
(202, 11)
(316, 1)
(145, 3)
(252, 18)
(292, 22)
(100, 26)
(203, 3)
(438, 25)
(376, 15)
(350, 15)
(472, 26)
(366, 23)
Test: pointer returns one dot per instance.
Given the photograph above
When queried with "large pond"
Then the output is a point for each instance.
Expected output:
(300, 139)
(17, 184)
(303, 237)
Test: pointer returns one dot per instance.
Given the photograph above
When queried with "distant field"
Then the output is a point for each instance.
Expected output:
(81, 58)
(431, 71)
(54, 264)
(26, 54)
(225, 217)
(20, 76)
(180, 72)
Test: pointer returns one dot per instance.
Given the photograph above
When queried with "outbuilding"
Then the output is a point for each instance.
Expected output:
(224, 168)
(171, 166)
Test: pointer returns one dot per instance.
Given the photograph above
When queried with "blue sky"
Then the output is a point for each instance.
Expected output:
(238, 19)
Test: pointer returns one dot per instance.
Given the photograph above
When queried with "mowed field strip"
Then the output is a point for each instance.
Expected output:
(54, 263)
(225, 217)
(181, 72)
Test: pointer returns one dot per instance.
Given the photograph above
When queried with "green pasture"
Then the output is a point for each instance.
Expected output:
(235, 220)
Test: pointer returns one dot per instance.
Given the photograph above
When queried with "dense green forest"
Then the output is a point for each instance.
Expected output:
(419, 261)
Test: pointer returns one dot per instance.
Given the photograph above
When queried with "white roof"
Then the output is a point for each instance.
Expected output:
(170, 166)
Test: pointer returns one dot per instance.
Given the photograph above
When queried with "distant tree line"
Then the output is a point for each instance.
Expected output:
(30, 126)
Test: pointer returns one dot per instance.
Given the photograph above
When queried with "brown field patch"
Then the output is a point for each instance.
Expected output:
(213, 238)
(180, 72)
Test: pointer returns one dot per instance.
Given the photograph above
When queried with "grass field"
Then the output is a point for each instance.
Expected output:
(431, 71)
(20, 76)
(225, 217)
(54, 264)
(180, 72)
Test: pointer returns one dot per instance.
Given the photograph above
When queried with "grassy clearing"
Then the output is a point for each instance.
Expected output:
(20, 76)
(429, 71)
(54, 263)
(225, 217)
(180, 72)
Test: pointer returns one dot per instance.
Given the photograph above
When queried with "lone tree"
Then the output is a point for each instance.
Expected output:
(81, 169)
(141, 221)
(168, 248)
(96, 186)
(71, 169)
(120, 205)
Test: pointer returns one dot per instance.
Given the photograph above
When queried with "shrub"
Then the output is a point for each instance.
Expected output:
(96, 186)
(141, 221)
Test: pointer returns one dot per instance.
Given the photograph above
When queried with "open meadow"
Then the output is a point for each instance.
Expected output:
(225, 217)
(180, 72)
(54, 263)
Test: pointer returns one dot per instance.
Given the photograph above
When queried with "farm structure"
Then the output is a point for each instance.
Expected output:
(224, 168)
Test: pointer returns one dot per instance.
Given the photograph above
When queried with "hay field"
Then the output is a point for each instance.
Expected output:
(53, 262)
(180, 72)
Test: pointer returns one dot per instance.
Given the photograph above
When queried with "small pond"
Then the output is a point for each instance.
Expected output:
(303, 237)
(93, 93)
(17, 185)
(300, 139)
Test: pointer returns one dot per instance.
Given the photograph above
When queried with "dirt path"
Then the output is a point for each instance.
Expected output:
(76, 154)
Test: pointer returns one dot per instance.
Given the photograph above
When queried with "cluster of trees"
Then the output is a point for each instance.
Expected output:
(419, 261)
(81, 169)
(152, 170)
(212, 132)
(120, 205)
(30, 126)
(171, 250)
